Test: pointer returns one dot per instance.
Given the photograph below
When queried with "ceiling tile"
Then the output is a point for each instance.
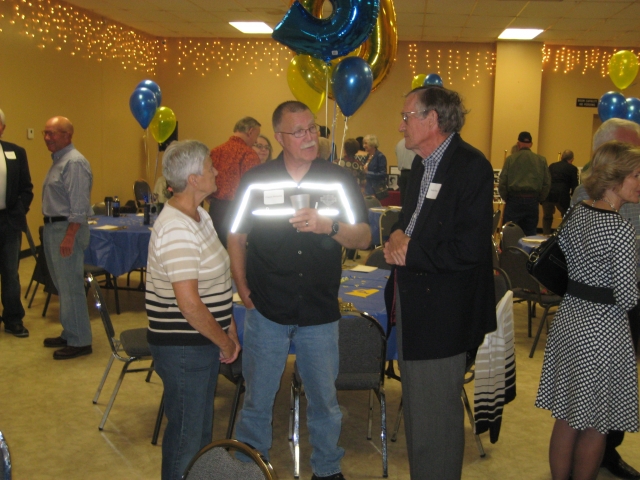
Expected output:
(577, 23)
(459, 7)
(489, 22)
(432, 19)
(441, 31)
(494, 8)
(410, 6)
(491, 33)
(548, 9)
(541, 23)
(597, 9)
(409, 30)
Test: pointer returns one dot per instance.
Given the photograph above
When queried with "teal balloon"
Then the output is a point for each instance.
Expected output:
(633, 109)
(433, 79)
(348, 26)
(143, 105)
(612, 105)
(154, 87)
(351, 82)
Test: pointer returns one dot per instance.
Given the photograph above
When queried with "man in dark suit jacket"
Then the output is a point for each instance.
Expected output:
(16, 193)
(445, 294)
(564, 180)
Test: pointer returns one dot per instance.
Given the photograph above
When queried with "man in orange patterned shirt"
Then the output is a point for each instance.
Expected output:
(232, 159)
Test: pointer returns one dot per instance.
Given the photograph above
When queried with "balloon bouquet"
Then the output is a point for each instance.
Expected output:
(363, 30)
(144, 104)
(623, 69)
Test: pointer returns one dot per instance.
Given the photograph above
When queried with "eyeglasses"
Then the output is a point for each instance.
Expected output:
(405, 115)
(313, 130)
(262, 146)
(50, 133)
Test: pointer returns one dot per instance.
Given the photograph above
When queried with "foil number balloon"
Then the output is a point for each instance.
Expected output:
(379, 50)
(343, 31)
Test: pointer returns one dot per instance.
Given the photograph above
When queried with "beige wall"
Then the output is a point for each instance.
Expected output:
(516, 105)
(39, 83)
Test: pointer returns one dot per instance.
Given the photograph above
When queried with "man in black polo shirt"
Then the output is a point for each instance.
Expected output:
(287, 268)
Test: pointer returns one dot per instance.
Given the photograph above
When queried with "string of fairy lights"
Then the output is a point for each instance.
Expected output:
(57, 25)
(203, 56)
(471, 62)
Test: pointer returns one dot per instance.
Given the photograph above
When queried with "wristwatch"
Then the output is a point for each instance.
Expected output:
(334, 228)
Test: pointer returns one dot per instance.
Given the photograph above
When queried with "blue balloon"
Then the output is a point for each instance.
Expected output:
(351, 82)
(343, 31)
(633, 109)
(154, 87)
(143, 105)
(612, 105)
(432, 79)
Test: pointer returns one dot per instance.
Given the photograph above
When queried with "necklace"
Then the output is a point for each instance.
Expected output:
(606, 200)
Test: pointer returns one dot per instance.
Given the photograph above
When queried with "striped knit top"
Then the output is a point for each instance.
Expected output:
(183, 249)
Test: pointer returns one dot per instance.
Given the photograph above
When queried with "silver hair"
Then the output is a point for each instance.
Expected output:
(181, 159)
(2, 117)
(608, 130)
(371, 140)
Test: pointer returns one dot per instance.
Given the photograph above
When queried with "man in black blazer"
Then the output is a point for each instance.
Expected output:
(564, 180)
(16, 193)
(445, 300)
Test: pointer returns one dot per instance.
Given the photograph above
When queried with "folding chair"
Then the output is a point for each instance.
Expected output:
(216, 461)
(513, 261)
(130, 347)
(363, 348)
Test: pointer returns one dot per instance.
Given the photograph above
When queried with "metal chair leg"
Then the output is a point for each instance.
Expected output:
(113, 395)
(33, 294)
(234, 407)
(394, 436)
(542, 322)
(104, 378)
(383, 432)
(472, 421)
(46, 304)
(156, 430)
(370, 419)
(296, 432)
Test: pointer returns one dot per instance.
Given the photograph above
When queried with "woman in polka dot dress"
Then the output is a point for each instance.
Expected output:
(589, 379)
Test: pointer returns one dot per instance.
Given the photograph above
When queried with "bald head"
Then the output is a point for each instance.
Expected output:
(617, 129)
(57, 133)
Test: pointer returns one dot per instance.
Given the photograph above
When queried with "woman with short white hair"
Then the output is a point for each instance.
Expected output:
(375, 166)
(189, 305)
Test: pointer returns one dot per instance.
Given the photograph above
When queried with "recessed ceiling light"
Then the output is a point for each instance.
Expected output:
(520, 33)
(252, 27)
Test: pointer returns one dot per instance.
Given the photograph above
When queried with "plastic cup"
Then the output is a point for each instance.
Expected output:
(300, 201)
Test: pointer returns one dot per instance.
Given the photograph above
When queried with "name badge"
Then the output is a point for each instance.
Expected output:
(10, 155)
(273, 197)
(434, 189)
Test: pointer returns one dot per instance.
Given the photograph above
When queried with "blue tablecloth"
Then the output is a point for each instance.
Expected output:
(119, 251)
(373, 304)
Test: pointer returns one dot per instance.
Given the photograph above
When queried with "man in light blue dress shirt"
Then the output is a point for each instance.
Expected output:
(66, 204)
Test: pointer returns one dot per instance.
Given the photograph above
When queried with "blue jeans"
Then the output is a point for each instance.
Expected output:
(10, 240)
(189, 375)
(68, 277)
(523, 212)
(265, 351)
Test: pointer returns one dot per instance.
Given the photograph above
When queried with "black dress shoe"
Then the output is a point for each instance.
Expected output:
(335, 476)
(621, 469)
(55, 342)
(17, 330)
(71, 352)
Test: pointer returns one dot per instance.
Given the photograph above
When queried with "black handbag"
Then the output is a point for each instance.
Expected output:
(547, 263)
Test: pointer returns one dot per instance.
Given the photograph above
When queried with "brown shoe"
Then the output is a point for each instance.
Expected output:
(55, 342)
(71, 352)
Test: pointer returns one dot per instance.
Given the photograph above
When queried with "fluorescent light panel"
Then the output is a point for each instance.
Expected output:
(252, 27)
(520, 33)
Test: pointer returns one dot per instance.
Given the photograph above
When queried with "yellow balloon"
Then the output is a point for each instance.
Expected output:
(300, 87)
(163, 124)
(379, 50)
(623, 68)
(418, 80)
